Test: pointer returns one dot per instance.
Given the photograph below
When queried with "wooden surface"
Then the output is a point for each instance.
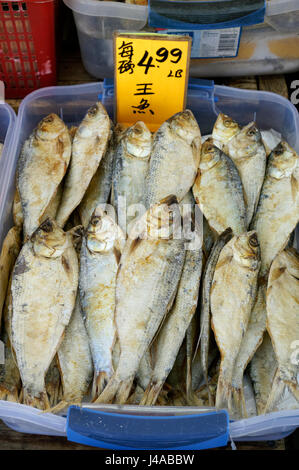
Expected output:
(71, 71)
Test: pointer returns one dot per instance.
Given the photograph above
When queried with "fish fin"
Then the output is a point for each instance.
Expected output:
(100, 381)
(9, 393)
(151, 394)
(41, 402)
(108, 394)
(278, 388)
(123, 391)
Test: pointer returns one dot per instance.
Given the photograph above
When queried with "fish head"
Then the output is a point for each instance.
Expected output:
(283, 161)
(246, 141)
(225, 128)
(91, 122)
(210, 155)
(50, 127)
(103, 234)
(246, 250)
(138, 140)
(49, 240)
(160, 218)
(185, 126)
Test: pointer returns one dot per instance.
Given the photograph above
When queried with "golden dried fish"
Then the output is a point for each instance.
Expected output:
(233, 293)
(175, 158)
(147, 281)
(10, 250)
(174, 328)
(283, 324)
(74, 359)
(44, 286)
(99, 262)
(248, 153)
(41, 167)
(250, 342)
(219, 192)
(277, 213)
(17, 210)
(100, 186)
(130, 168)
(89, 146)
(205, 307)
(262, 372)
(225, 128)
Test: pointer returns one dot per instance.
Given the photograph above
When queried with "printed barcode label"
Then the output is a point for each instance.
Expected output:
(219, 42)
(212, 43)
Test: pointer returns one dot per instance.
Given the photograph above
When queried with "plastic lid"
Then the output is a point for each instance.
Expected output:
(110, 9)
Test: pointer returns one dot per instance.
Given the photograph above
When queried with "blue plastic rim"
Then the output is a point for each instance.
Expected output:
(120, 431)
(159, 16)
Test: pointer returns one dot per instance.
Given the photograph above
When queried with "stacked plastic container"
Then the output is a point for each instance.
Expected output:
(119, 426)
(272, 47)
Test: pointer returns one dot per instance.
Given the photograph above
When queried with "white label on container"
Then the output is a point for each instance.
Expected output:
(212, 43)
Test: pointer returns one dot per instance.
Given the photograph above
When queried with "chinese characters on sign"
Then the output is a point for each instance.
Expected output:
(151, 74)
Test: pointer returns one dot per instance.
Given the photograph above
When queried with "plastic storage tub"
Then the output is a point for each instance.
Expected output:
(96, 22)
(269, 48)
(272, 47)
(94, 425)
(27, 45)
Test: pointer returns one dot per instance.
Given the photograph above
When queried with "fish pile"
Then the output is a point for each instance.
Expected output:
(152, 269)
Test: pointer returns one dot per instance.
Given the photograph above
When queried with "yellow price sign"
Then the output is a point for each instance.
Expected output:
(151, 77)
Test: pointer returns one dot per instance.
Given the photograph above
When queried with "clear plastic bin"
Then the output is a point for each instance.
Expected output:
(96, 22)
(7, 122)
(70, 103)
(267, 49)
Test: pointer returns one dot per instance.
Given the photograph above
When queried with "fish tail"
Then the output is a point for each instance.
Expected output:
(123, 391)
(108, 394)
(100, 381)
(9, 393)
(223, 392)
(41, 402)
(53, 391)
(278, 388)
(237, 406)
(59, 407)
(151, 394)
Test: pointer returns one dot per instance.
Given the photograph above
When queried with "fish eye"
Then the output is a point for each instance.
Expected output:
(253, 241)
(252, 131)
(95, 221)
(228, 122)
(93, 110)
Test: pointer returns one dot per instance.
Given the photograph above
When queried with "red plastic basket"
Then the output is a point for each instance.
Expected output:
(27, 45)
